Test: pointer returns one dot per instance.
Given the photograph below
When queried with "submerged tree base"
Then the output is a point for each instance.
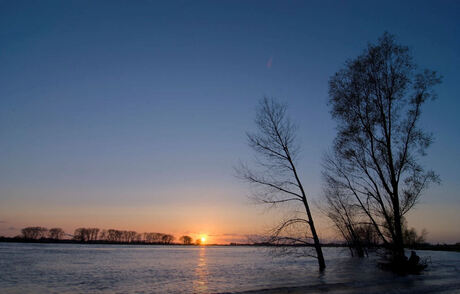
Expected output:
(406, 267)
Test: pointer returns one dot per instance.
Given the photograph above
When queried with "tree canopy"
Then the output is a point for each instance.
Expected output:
(377, 101)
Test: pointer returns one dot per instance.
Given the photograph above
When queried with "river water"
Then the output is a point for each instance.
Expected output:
(74, 268)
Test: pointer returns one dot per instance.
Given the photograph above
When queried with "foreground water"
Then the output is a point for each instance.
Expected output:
(72, 268)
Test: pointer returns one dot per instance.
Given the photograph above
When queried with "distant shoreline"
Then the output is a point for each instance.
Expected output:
(434, 247)
(104, 242)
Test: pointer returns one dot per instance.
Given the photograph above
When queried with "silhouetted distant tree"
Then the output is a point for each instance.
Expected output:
(80, 234)
(157, 237)
(153, 237)
(411, 237)
(103, 235)
(34, 233)
(278, 178)
(114, 235)
(167, 239)
(86, 234)
(148, 237)
(56, 233)
(377, 100)
(198, 241)
(186, 240)
(94, 232)
(127, 236)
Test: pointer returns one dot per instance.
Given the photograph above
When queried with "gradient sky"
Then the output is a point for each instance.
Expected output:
(132, 114)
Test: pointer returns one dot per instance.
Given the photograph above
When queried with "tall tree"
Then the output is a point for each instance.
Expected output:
(279, 180)
(377, 100)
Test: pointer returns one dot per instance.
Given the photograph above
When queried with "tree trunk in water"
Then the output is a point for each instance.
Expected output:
(319, 251)
(398, 242)
(359, 250)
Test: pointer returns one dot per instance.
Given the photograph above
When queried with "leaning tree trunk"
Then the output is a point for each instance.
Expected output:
(317, 244)
(274, 141)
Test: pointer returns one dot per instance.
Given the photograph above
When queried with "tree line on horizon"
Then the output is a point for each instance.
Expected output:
(365, 233)
(88, 235)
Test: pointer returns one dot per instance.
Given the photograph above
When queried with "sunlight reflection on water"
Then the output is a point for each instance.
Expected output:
(201, 272)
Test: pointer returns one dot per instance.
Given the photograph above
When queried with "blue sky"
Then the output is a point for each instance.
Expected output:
(109, 108)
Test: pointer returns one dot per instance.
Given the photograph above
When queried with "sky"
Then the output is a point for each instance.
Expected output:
(132, 114)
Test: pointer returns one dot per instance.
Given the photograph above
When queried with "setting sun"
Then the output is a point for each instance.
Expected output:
(203, 239)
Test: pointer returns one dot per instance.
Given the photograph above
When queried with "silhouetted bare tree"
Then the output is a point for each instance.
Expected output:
(186, 240)
(153, 237)
(410, 236)
(129, 236)
(148, 237)
(114, 235)
(34, 233)
(157, 237)
(277, 177)
(56, 233)
(346, 216)
(103, 235)
(93, 234)
(167, 239)
(86, 234)
(80, 234)
(376, 100)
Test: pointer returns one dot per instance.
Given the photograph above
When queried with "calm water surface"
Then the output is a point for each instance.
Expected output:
(71, 268)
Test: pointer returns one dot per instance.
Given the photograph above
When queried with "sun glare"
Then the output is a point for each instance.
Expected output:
(203, 239)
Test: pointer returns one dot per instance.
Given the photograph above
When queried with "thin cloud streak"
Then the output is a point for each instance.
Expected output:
(270, 62)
